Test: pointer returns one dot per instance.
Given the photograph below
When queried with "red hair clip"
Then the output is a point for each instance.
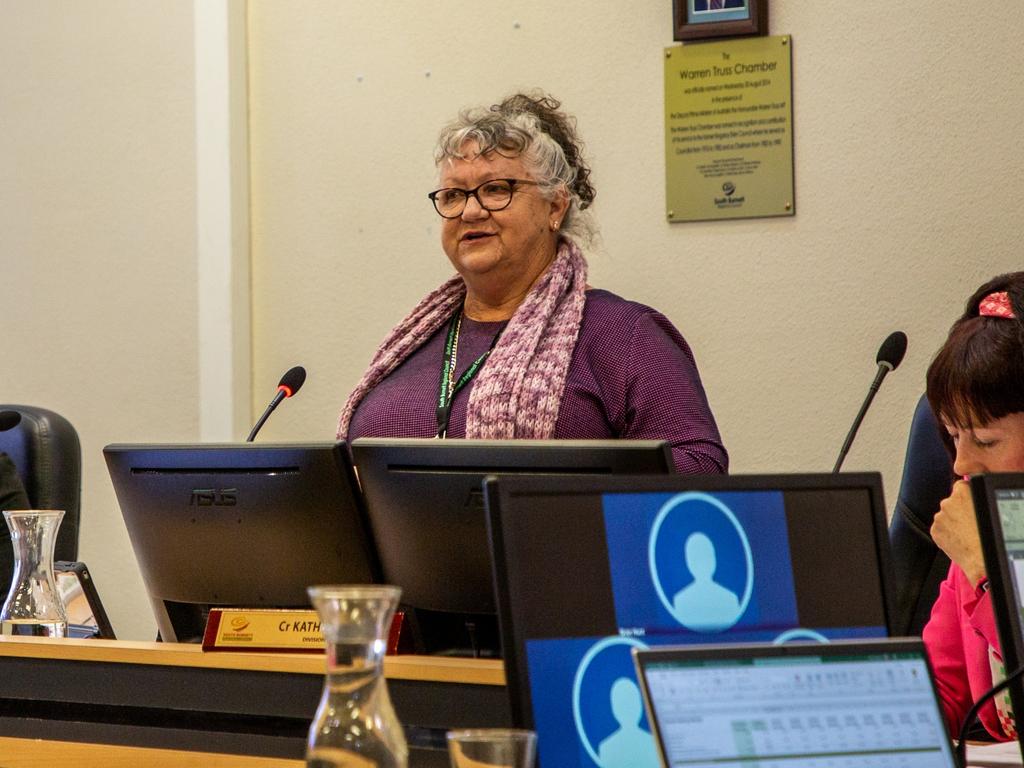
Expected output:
(996, 305)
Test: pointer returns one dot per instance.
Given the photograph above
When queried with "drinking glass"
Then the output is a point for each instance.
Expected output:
(492, 748)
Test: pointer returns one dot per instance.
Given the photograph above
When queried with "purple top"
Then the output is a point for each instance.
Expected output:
(632, 375)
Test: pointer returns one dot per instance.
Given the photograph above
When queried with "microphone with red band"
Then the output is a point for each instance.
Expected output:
(890, 355)
(290, 383)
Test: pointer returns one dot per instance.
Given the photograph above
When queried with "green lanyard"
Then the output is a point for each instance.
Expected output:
(449, 387)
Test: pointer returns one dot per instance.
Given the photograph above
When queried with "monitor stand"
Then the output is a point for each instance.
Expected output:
(186, 621)
(440, 633)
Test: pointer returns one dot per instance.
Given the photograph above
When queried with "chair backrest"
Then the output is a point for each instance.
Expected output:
(918, 564)
(44, 447)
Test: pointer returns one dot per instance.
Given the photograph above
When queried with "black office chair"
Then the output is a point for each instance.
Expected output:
(45, 449)
(919, 565)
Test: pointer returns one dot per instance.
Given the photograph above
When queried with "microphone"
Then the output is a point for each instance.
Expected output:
(290, 383)
(9, 420)
(890, 355)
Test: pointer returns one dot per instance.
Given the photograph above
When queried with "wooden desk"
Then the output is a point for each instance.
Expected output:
(166, 696)
(32, 753)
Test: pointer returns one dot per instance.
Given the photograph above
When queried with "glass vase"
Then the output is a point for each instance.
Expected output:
(355, 725)
(33, 606)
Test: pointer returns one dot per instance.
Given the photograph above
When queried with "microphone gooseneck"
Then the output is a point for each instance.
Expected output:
(889, 356)
(290, 383)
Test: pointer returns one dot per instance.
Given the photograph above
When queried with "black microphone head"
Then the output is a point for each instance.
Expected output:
(293, 380)
(9, 420)
(891, 353)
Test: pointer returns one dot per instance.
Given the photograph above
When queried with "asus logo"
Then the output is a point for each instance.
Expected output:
(213, 497)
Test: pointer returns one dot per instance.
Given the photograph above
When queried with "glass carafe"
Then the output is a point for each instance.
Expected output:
(33, 606)
(355, 725)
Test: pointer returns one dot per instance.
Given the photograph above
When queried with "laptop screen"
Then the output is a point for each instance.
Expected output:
(736, 707)
(588, 570)
(999, 504)
(1010, 508)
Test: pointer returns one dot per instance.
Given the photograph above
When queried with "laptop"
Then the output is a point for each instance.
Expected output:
(849, 704)
(587, 569)
(999, 506)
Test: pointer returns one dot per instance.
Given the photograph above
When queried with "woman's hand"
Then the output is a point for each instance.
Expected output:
(955, 531)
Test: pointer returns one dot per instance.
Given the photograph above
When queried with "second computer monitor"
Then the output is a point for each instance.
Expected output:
(424, 499)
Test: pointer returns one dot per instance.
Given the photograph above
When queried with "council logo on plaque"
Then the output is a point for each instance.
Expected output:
(729, 198)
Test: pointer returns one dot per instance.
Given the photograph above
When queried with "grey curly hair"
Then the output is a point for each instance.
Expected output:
(533, 128)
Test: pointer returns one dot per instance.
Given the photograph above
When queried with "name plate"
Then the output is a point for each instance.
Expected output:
(263, 629)
(277, 630)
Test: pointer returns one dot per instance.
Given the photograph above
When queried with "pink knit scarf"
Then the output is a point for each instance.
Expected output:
(518, 391)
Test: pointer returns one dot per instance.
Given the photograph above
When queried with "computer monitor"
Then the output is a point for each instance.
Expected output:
(424, 499)
(589, 568)
(859, 704)
(999, 506)
(248, 525)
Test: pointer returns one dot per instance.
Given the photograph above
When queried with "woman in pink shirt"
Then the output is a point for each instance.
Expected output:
(976, 388)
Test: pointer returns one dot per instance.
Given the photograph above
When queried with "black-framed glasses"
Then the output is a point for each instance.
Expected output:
(493, 195)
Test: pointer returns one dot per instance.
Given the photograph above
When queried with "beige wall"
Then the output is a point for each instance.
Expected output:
(97, 243)
(909, 192)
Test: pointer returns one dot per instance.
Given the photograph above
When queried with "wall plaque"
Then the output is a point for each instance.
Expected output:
(729, 129)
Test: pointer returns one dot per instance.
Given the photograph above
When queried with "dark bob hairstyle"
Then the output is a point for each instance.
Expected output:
(978, 375)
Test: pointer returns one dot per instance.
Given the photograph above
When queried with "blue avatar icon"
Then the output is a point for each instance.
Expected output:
(607, 708)
(700, 520)
(630, 745)
(707, 605)
(716, 562)
(800, 634)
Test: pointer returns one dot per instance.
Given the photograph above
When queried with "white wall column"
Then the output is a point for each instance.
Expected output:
(222, 219)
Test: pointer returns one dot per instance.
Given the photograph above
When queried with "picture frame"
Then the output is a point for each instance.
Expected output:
(697, 20)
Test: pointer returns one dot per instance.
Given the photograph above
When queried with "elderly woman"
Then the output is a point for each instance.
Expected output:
(975, 388)
(517, 345)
